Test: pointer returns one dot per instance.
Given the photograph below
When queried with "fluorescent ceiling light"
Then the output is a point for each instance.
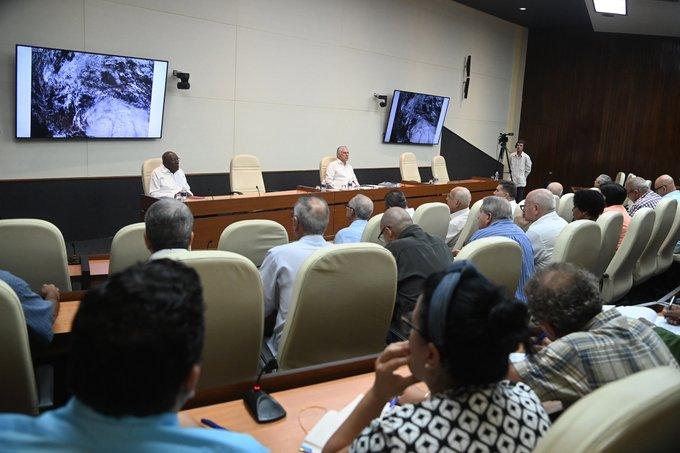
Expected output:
(522, 9)
(610, 6)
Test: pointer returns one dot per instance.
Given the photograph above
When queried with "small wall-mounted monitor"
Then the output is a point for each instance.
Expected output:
(66, 94)
(416, 118)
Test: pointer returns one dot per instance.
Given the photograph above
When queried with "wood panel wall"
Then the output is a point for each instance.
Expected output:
(600, 103)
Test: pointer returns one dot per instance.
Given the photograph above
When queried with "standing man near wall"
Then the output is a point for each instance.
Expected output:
(520, 165)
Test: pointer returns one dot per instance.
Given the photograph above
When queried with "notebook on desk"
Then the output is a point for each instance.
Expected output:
(324, 428)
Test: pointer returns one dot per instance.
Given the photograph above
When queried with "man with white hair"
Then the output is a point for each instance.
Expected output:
(359, 210)
(459, 204)
(168, 228)
(539, 208)
(340, 173)
(602, 179)
(638, 192)
(555, 188)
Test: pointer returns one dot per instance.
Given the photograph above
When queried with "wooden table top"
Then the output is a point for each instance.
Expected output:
(64, 321)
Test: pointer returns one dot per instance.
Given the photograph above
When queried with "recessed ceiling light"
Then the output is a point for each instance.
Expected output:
(610, 7)
(522, 9)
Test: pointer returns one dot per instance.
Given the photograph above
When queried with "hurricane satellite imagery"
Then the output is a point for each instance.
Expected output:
(77, 94)
(417, 118)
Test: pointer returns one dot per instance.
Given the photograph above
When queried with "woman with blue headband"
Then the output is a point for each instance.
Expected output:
(463, 329)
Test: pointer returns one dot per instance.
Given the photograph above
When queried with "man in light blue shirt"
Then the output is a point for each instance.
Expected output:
(282, 263)
(665, 187)
(359, 210)
(495, 219)
(135, 360)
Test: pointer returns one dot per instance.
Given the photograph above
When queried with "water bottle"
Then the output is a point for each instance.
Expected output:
(495, 176)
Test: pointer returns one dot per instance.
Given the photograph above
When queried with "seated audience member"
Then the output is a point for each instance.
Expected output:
(359, 210)
(340, 173)
(135, 361)
(640, 195)
(588, 204)
(463, 330)
(665, 187)
(587, 347)
(556, 188)
(495, 219)
(168, 179)
(418, 254)
(282, 263)
(397, 199)
(508, 191)
(602, 179)
(459, 204)
(614, 196)
(539, 208)
(169, 228)
(39, 310)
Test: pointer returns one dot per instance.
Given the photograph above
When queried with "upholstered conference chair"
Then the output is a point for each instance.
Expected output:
(665, 257)
(620, 178)
(610, 224)
(634, 414)
(234, 315)
(245, 174)
(252, 238)
(372, 229)
(470, 225)
(325, 161)
(18, 392)
(578, 243)
(148, 166)
(498, 258)
(663, 221)
(128, 247)
(617, 280)
(439, 170)
(342, 304)
(433, 218)
(34, 250)
(566, 207)
(408, 166)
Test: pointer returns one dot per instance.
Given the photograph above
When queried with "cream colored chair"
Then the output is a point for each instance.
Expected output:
(19, 392)
(498, 258)
(128, 247)
(372, 229)
(245, 174)
(578, 243)
(620, 178)
(323, 165)
(148, 166)
(557, 203)
(358, 284)
(610, 224)
(439, 170)
(665, 257)
(234, 315)
(470, 225)
(663, 221)
(408, 166)
(433, 218)
(617, 280)
(566, 207)
(634, 414)
(252, 238)
(34, 250)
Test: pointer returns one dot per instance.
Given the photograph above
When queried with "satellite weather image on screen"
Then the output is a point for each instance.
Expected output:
(80, 94)
(416, 118)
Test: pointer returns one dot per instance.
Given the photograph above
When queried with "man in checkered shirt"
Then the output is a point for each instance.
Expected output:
(589, 347)
(638, 192)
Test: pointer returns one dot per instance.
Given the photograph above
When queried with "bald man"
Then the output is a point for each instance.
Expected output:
(556, 188)
(664, 186)
(339, 173)
(418, 254)
(539, 208)
(168, 179)
(459, 204)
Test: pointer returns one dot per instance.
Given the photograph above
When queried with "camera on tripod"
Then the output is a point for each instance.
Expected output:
(503, 137)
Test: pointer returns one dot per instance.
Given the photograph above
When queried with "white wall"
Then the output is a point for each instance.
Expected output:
(286, 80)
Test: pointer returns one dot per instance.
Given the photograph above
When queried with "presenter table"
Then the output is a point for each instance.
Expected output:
(213, 214)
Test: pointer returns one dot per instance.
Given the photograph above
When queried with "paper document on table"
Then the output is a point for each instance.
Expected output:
(324, 428)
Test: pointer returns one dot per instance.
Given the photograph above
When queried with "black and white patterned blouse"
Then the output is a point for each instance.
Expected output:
(503, 417)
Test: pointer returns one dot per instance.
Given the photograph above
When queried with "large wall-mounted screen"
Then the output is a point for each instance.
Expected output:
(416, 118)
(65, 94)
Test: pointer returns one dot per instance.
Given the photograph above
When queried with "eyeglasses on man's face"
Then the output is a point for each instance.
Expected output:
(381, 236)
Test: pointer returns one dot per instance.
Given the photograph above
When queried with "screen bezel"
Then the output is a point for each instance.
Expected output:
(390, 116)
(16, 97)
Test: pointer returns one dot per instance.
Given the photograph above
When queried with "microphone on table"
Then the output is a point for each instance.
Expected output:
(261, 405)
(210, 192)
(73, 259)
(207, 247)
(258, 191)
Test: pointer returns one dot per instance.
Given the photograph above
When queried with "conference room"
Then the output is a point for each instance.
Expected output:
(246, 126)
